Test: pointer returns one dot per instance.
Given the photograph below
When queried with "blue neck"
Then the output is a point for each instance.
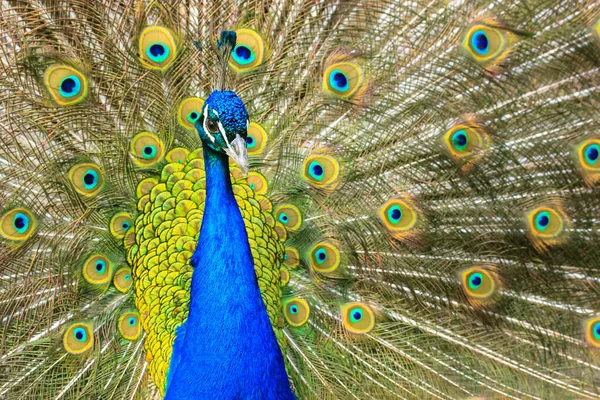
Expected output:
(227, 348)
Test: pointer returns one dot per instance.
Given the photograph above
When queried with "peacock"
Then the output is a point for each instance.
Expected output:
(300, 199)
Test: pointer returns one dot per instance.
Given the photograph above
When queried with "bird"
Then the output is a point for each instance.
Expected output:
(308, 199)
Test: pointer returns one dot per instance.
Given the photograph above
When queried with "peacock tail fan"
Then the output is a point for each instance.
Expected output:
(422, 205)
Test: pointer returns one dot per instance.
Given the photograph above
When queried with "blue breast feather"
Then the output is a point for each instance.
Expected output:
(227, 348)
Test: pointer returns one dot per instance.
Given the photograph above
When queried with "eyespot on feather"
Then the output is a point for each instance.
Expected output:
(289, 216)
(324, 257)
(177, 155)
(344, 79)
(249, 51)
(120, 223)
(358, 318)
(189, 112)
(399, 216)
(465, 143)
(66, 85)
(87, 179)
(285, 276)
(487, 43)
(546, 226)
(257, 182)
(157, 48)
(321, 171)
(592, 331)
(281, 231)
(123, 279)
(291, 258)
(256, 140)
(296, 311)
(587, 159)
(97, 270)
(17, 224)
(130, 326)
(146, 149)
(478, 283)
(78, 337)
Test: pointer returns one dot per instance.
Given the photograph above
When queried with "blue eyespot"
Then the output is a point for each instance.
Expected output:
(542, 220)
(475, 280)
(316, 171)
(356, 314)
(149, 152)
(127, 277)
(252, 186)
(157, 52)
(321, 256)
(132, 321)
(283, 218)
(591, 153)
(100, 267)
(459, 140)
(70, 86)
(394, 214)
(90, 179)
(250, 142)
(80, 334)
(285, 257)
(480, 42)
(21, 222)
(339, 81)
(242, 54)
(596, 330)
(193, 117)
(294, 309)
(125, 226)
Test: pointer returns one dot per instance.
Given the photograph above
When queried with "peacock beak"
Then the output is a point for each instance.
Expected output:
(237, 150)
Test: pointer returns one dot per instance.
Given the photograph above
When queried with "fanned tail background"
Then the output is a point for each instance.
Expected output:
(432, 166)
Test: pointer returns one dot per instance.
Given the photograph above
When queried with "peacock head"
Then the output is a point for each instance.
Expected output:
(223, 126)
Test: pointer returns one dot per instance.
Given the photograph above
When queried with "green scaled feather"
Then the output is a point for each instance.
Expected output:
(465, 267)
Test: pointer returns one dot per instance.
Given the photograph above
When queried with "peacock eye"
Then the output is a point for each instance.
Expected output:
(459, 140)
(193, 117)
(70, 86)
(324, 257)
(120, 224)
(86, 178)
(256, 140)
(78, 338)
(128, 325)
(17, 224)
(212, 125)
(66, 85)
(344, 79)
(157, 48)
(592, 153)
(478, 283)
(593, 331)
(296, 311)
(122, 279)
(243, 55)
(480, 42)
(249, 51)
(358, 318)
(96, 270)
(189, 112)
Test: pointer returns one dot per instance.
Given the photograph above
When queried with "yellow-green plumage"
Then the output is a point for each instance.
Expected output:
(167, 229)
